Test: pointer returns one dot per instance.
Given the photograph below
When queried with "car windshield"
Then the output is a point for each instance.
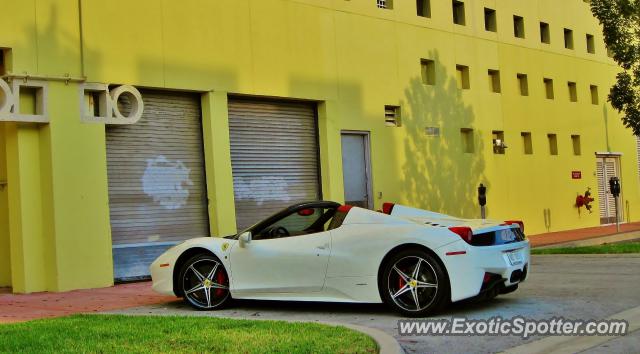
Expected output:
(295, 220)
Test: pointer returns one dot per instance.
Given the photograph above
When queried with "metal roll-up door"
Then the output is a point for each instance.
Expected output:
(157, 187)
(274, 155)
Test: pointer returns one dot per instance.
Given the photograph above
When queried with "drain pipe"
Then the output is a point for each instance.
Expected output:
(81, 35)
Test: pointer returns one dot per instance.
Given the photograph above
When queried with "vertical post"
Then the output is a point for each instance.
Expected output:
(331, 152)
(615, 188)
(217, 154)
(617, 199)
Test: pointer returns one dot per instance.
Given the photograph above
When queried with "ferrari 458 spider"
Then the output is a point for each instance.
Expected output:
(414, 260)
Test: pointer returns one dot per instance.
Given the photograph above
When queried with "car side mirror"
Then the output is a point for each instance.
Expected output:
(244, 239)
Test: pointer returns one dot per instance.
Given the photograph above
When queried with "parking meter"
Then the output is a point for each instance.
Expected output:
(482, 199)
(614, 186)
(482, 195)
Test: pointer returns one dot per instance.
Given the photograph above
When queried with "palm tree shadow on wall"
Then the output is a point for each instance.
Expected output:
(439, 173)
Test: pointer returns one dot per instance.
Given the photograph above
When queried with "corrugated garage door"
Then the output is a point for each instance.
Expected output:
(274, 154)
(157, 188)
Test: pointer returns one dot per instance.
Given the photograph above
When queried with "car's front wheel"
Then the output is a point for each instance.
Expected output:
(204, 282)
(414, 284)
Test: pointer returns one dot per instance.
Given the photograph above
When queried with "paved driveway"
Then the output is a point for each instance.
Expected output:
(580, 287)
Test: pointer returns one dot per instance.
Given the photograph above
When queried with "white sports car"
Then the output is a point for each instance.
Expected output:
(414, 260)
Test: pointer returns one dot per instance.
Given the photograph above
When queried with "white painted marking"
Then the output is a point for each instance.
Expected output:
(167, 182)
(245, 189)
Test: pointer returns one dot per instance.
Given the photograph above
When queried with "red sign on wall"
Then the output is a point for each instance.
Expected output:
(576, 174)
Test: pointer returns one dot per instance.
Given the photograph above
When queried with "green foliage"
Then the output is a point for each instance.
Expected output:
(620, 20)
(615, 248)
(173, 334)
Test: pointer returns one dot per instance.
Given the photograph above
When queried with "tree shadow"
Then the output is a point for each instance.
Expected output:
(440, 173)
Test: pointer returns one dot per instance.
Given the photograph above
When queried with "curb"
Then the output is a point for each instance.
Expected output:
(594, 241)
(386, 343)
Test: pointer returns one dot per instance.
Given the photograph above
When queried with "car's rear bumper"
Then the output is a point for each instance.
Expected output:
(467, 265)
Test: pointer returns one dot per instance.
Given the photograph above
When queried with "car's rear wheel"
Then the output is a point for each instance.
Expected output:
(414, 283)
(205, 282)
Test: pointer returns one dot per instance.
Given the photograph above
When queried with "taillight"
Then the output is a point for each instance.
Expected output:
(487, 278)
(520, 223)
(387, 208)
(464, 232)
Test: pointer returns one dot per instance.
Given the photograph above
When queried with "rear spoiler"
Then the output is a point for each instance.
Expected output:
(408, 212)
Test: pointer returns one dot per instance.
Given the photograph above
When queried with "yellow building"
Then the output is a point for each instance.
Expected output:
(127, 126)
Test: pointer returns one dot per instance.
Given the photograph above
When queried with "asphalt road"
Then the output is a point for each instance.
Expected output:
(574, 287)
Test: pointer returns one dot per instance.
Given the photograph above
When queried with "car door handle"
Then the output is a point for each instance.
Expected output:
(323, 247)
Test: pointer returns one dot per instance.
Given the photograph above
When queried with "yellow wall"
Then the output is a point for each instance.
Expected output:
(350, 57)
(359, 58)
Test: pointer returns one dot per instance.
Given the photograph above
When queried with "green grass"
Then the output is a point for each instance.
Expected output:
(172, 334)
(615, 248)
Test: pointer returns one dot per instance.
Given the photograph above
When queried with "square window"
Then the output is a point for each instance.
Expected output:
(594, 94)
(518, 26)
(494, 80)
(30, 104)
(548, 87)
(392, 116)
(5, 60)
(527, 144)
(498, 142)
(423, 8)
(553, 144)
(575, 141)
(490, 23)
(591, 46)
(573, 91)
(568, 38)
(385, 4)
(523, 84)
(462, 72)
(428, 71)
(458, 13)
(467, 140)
(29, 101)
(96, 103)
(545, 35)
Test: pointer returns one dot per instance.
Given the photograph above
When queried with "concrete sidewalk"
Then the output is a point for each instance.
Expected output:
(553, 238)
(24, 307)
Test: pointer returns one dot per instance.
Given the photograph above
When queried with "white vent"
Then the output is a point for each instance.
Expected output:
(384, 4)
(392, 116)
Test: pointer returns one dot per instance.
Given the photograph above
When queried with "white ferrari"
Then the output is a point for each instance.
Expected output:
(414, 260)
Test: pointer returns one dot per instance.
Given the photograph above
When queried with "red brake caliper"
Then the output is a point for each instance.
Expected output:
(401, 282)
(220, 278)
